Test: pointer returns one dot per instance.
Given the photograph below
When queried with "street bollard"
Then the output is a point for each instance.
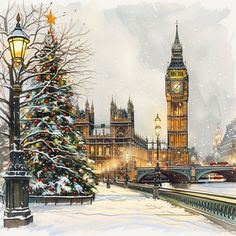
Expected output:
(155, 192)
(108, 183)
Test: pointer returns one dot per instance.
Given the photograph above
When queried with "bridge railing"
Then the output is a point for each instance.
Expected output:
(220, 208)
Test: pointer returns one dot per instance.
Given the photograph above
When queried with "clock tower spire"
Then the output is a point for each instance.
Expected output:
(176, 86)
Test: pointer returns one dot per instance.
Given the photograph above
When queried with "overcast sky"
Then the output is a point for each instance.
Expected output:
(132, 43)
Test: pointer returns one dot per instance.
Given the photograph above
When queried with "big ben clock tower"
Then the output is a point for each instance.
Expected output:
(177, 91)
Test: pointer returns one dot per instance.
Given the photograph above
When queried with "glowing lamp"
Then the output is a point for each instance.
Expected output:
(157, 126)
(18, 41)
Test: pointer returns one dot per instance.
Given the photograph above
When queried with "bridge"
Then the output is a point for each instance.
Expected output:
(185, 174)
(219, 208)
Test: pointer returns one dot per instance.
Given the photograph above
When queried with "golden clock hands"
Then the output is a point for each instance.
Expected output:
(177, 87)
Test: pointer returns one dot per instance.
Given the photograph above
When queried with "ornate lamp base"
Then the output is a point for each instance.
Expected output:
(17, 222)
(17, 212)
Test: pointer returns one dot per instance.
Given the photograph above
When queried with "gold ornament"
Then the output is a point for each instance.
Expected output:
(38, 145)
(56, 141)
(61, 82)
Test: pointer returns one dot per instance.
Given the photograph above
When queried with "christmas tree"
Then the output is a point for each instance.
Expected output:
(54, 148)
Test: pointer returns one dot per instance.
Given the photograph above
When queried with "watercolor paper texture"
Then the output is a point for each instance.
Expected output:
(131, 42)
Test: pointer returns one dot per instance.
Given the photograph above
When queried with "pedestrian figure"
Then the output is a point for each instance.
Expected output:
(126, 181)
(108, 183)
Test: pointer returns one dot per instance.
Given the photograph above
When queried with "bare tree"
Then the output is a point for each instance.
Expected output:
(74, 54)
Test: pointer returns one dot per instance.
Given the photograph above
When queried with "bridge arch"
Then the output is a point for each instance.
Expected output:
(172, 175)
(177, 176)
(222, 171)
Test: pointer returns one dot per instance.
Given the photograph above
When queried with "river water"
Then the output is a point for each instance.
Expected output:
(225, 188)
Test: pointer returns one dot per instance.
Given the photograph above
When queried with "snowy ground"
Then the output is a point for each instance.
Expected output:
(116, 211)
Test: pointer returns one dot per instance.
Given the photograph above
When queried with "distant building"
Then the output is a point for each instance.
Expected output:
(218, 138)
(115, 148)
(227, 148)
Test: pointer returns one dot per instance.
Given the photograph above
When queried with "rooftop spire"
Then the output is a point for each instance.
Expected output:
(177, 33)
(112, 102)
(86, 104)
(92, 108)
(177, 47)
(129, 100)
(177, 51)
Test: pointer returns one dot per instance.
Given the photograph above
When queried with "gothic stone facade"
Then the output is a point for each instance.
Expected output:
(115, 148)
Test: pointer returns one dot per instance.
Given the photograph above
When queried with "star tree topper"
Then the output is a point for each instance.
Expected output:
(51, 18)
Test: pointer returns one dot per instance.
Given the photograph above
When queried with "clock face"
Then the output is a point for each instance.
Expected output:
(176, 86)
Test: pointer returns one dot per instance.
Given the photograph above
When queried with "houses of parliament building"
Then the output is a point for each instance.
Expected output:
(114, 148)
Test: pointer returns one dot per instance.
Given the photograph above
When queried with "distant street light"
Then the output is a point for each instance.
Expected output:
(17, 212)
(126, 169)
(157, 173)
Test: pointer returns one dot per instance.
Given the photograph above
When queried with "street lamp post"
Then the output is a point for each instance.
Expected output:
(157, 131)
(157, 172)
(193, 170)
(114, 171)
(17, 212)
(127, 170)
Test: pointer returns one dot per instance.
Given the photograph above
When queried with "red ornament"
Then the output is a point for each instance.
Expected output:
(28, 96)
(46, 101)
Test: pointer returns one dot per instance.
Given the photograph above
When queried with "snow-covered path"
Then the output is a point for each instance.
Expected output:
(116, 211)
